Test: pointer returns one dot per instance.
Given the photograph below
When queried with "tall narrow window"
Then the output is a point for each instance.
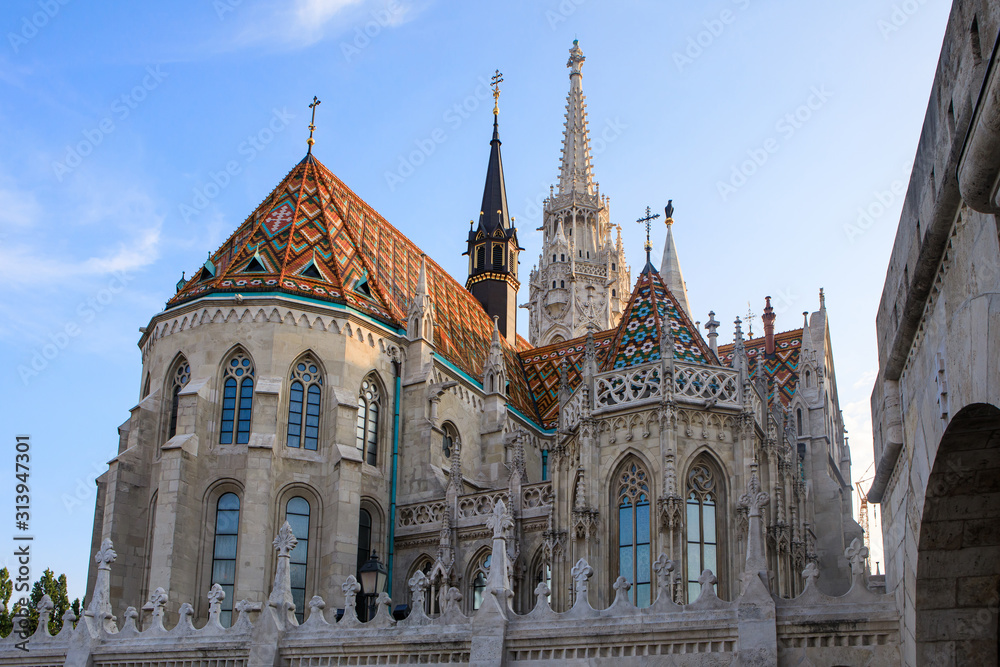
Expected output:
(545, 465)
(297, 516)
(702, 537)
(369, 402)
(798, 419)
(304, 405)
(497, 257)
(480, 256)
(237, 400)
(227, 524)
(181, 376)
(364, 552)
(480, 573)
(633, 532)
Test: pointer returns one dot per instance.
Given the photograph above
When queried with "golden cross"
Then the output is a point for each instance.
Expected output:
(312, 123)
(495, 82)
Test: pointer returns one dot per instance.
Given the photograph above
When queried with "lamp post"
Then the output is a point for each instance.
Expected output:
(373, 579)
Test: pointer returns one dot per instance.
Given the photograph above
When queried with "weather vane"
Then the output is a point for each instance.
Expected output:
(312, 124)
(668, 211)
(495, 82)
(750, 318)
(648, 220)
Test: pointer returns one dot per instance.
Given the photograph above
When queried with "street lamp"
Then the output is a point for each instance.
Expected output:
(373, 579)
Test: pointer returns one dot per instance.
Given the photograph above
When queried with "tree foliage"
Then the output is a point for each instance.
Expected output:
(48, 584)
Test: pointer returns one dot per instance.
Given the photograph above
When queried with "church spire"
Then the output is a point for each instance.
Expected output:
(670, 265)
(493, 212)
(575, 173)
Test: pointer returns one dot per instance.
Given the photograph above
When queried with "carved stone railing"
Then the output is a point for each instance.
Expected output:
(706, 383)
(589, 269)
(421, 513)
(576, 407)
(536, 499)
(480, 504)
(635, 385)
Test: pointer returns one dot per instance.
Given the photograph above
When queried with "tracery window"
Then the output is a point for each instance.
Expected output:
(634, 532)
(481, 570)
(369, 405)
(227, 524)
(304, 404)
(237, 400)
(702, 532)
(297, 512)
(448, 438)
(182, 373)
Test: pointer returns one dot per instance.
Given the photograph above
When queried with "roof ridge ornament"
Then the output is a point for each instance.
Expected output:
(312, 124)
(648, 220)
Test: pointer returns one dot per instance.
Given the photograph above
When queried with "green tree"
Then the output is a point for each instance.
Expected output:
(6, 589)
(56, 589)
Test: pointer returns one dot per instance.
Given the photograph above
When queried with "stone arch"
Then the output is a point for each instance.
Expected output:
(325, 390)
(631, 525)
(703, 483)
(476, 572)
(958, 549)
(174, 380)
(206, 543)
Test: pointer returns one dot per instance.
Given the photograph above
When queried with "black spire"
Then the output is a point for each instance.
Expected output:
(495, 192)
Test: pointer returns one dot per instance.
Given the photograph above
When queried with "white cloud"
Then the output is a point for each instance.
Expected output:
(867, 380)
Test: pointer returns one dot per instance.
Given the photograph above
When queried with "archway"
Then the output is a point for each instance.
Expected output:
(958, 564)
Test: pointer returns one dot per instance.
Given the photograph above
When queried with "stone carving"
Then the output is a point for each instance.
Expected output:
(581, 572)
(663, 567)
(857, 554)
(157, 601)
(621, 588)
(281, 599)
(418, 589)
(215, 597)
(351, 588)
(131, 617)
(628, 386)
(99, 611)
(810, 574)
(316, 607)
(542, 593)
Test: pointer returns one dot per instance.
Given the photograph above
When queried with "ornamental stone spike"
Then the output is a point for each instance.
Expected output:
(215, 597)
(498, 578)
(857, 553)
(663, 567)
(810, 574)
(754, 499)
(621, 587)
(281, 600)
(44, 608)
(418, 586)
(351, 588)
(99, 614)
(157, 600)
(581, 573)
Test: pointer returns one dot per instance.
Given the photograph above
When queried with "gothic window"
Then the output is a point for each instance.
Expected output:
(145, 387)
(545, 465)
(297, 516)
(481, 570)
(227, 523)
(634, 532)
(182, 373)
(237, 400)
(432, 596)
(448, 438)
(369, 403)
(497, 257)
(562, 257)
(702, 535)
(562, 284)
(304, 404)
(480, 256)
(553, 284)
(798, 419)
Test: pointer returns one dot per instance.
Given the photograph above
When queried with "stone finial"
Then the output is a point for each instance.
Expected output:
(131, 617)
(68, 619)
(666, 340)
(157, 601)
(712, 326)
(243, 609)
(44, 609)
(186, 613)
(708, 579)
(499, 521)
(418, 586)
(810, 574)
(351, 588)
(754, 499)
(857, 553)
(542, 593)
(663, 567)
(581, 572)
(621, 588)
(452, 598)
(281, 599)
(316, 607)
(106, 555)
(215, 597)
(738, 330)
(99, 610)
(285, 540)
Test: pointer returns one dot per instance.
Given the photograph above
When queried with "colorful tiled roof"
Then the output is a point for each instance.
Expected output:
(541, 367)
(781, 371)
(313, 236)
(638, 336)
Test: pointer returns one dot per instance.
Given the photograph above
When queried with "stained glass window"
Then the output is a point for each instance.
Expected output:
(634, 532)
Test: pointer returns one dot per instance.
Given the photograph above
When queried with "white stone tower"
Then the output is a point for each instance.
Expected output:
(581, 278)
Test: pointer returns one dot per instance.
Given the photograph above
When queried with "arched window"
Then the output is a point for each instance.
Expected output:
(145, 387)
(702, 533)
(297, 516)
(614, 293)
(798, 419)
(182, 373)
(553, 257)
(562, 284)
(562, 257)
(553, 284)
(497, 256)
(634, 561)
(227, 525)
(613, 267)
(480, 256)
(449, 438)
(304, 404)
(369, 403)
(480, 572)
(237, 400)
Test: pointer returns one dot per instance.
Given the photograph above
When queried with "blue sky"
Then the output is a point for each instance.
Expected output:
(772, 126)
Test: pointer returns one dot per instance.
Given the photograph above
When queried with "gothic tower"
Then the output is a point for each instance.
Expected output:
(493, 247)
(581, 278)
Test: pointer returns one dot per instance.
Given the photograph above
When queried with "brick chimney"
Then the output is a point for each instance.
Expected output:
(768, 319)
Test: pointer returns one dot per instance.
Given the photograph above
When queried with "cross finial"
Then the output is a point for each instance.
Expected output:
(648, 221)
(750, 318)
(495, 82)
(312, 124)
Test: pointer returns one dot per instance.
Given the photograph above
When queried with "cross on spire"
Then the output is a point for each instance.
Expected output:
(750, 318)
(312, 124)
(648, 220)
(495, 83)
